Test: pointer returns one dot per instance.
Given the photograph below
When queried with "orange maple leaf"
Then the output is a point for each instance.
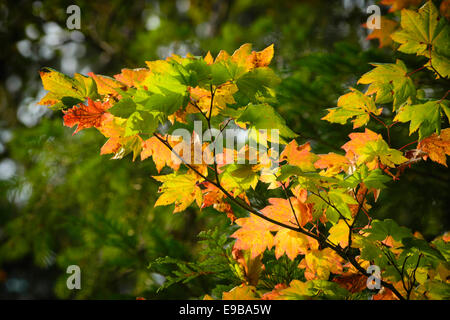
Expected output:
(245, 57)
(86, 116)
(213, 196)
(280, 210)
(132, 77)
(254, 235)
(209, 58)
(299, 156)
(387, 27)
(261, 58)
(357, 141)
(333, 162)
(437, 146)
(162, 155)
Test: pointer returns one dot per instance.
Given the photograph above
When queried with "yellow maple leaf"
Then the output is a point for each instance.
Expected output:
(179, 188)
(339, 234)
(319, 264)
(292, 243)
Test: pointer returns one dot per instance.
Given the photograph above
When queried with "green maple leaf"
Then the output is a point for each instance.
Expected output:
(378, 150)
(426, 33)
(353, 105)
(425, 117)
(264, 116)
(239, 176)
(381, 229)
(390, 82)
(142, 122)
(65, 91)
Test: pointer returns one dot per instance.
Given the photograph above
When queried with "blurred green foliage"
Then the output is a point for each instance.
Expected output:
(61, 203)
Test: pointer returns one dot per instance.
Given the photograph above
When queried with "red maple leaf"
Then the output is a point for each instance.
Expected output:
(86, 116)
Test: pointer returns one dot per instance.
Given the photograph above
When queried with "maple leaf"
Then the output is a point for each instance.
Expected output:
(297, 290)
(261, 58)
(400, 4)
(88, 116)
(425, 117)
(254, 235)
(268, 175)
(292, 243)
(299, 156)
(357, 141)
(162, 155)
(252, 267)
(353, 105)
(371, 149)
(242, 292)
(239, 177)
(213, 196)
(59, 86)
(222, 56)
(333, 162)
(280, 210)
(339, 234)
(244, 56)
(119, 144)
(320, 263)
(383, 34)
(263, 116)
(132, 77)
(390, 82)
(424, 32)
(208, 58)
(300, 193)
(65, 91)
(179, 188)
(107, 85)
(201, 99)
(437, 146)
(241, 54)
(378, 152)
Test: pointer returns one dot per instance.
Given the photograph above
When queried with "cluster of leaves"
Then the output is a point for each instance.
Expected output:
(319, 220)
